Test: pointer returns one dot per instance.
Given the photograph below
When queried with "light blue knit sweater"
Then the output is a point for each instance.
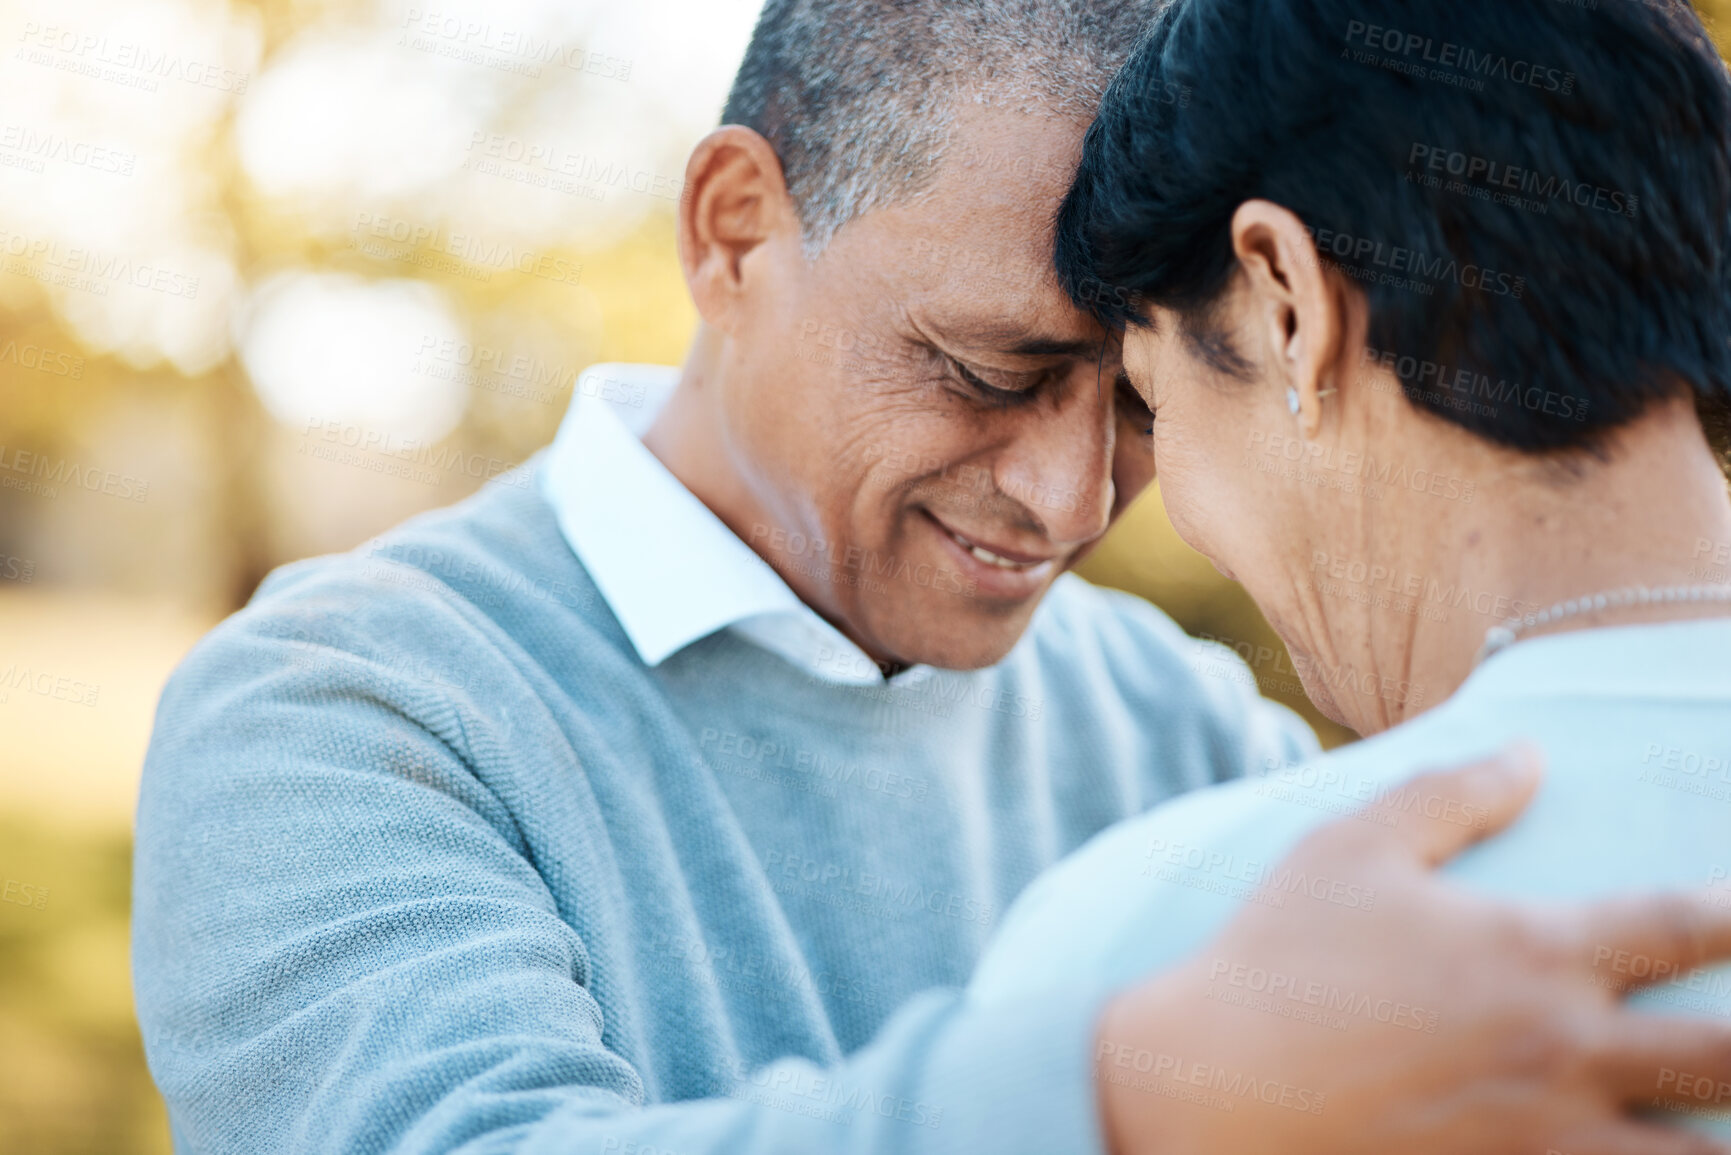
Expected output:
(428, 860)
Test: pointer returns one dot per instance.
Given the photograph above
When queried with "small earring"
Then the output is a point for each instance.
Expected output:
(1327, 393)
(1292, 401)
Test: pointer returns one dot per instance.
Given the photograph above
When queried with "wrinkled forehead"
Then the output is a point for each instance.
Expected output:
(980, 237)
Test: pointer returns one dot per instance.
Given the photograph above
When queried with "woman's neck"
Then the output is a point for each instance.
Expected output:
(1652, 512)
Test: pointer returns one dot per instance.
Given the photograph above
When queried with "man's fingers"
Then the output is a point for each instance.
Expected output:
(1651, 939)
(1648, 1056)
(1440, 814)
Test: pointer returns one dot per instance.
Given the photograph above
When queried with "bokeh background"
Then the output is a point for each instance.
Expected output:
(275, 275)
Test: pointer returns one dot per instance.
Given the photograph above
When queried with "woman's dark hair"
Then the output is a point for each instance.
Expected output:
(1535, 195)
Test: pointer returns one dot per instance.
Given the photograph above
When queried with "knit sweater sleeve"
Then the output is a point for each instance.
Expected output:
(344, 943)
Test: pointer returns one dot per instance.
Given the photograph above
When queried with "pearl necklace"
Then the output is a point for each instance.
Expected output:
(1501, 637)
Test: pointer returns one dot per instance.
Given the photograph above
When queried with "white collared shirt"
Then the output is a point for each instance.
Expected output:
(671, 571)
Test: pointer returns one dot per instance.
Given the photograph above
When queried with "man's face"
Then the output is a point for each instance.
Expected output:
(934, 432)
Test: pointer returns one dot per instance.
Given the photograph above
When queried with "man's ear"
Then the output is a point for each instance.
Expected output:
(1304, 305)
(735, 200)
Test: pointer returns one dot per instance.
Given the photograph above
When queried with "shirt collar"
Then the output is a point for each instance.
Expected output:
(671, 571)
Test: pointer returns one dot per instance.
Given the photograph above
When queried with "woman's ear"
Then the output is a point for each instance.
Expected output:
(1298, 301)
(735, 200)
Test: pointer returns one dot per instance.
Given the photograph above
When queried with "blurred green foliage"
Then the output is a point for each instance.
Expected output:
(72, 1074)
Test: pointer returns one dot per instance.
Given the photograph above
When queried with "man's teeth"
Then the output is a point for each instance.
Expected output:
(991, 558)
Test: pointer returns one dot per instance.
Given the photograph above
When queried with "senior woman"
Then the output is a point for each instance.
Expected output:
(1431, 307)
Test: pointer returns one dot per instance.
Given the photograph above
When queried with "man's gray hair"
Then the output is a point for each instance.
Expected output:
(858, 96)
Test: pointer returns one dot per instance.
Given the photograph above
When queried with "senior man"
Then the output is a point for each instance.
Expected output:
(661, 806)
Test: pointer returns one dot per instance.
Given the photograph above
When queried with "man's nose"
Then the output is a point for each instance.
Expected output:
(1059, 467)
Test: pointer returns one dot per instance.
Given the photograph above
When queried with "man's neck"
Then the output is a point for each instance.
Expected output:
(684, 439)
(1539, 532)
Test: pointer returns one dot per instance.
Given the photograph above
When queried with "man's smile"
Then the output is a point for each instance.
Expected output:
(999, 570)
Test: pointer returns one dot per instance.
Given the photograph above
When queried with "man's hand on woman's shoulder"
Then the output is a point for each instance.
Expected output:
(1472, 1027)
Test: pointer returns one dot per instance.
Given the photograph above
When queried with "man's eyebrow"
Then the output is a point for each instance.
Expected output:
(1015, 342)
(1085, 348)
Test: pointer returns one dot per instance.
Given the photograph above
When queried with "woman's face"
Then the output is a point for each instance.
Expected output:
(1241, 484)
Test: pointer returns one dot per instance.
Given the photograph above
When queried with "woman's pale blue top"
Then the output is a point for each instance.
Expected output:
(1637, 725)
